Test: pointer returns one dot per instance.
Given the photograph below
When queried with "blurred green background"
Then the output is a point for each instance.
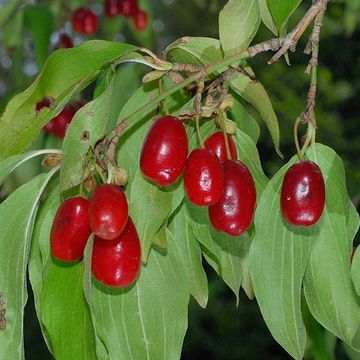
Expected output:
(222, 331)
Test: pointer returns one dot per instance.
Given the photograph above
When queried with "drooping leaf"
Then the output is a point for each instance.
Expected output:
(65, 314)
(39, 22)
(239, 21)
(148, 320)
(188, 253)
(328, 287)
(278, 259)
(66, 72)
(17, 215)
(254, 93)
(149, 206)
(91, 119)
(266, 16)
(282, 10)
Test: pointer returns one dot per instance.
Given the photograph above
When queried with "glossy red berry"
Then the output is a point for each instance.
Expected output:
(58, 125)
(117, 262)
(216, 144)
(164, 151)
(84, 21)
(70, 230)
(127, 8)
(111, 8)
(65, 42)
(203, 178)
(302, 197)
(108, 211)
(234, 212)
(140, 20)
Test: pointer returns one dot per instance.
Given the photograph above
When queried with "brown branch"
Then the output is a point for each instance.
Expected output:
(292, 38)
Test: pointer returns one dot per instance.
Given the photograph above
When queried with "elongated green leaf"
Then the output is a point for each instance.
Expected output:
(39, 22)
(17, 214)
(355, 275)
(7, 10)
(254, 93)
(13, 31)
(195, 50)
(65, 314)
(328, 287)
(93, 119)
(8, 165)
(278, 259)
(147, 320)
(65, 73)
(188, 253)
(282, 10)
(266, 16)
(239, 21)
(150, 206)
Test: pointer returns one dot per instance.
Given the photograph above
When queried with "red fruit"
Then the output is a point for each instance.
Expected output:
(234, 212)
(84, 21)
(352, 254)
(65, 42)
(70, 230)
(216, 144)
(303, 194)
(164, 151)
(127, 7)
(77, 105)
(108, 211)
(111, 8)
(117, 262)
(203, 178)
(58, 125)
(141, 20)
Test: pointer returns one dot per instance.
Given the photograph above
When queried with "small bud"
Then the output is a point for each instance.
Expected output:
(90, 183)
(120, 176)
(153, 75)
(51, 161)
(175, 77)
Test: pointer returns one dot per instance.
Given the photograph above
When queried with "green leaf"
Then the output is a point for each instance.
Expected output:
(239, 21)
(149, 206)
(188, 253)
(282, 10)
(328, 287)
(8, 165)
(254, 93)
(13, 31)
(39, 22)
(195, 50)
(66, 72)
(7, 10)
(65, 313)
(17, 215)
(355, 273)
(278, 259)
(93, 119)
(147, 320)
(266, 17)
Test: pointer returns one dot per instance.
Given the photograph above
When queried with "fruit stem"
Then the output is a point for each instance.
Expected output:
(197, 123)
(163, 102)
(100, 172)
(223, 128)
(313, 144)
(296, 140)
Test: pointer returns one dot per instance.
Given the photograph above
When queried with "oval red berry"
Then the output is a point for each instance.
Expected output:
(203, 178)
(234, 212)
(84, 21)
(302, 197)
(117, 262)
(216, 144)
(164, 151)
(70, 230)
(58, 125)
(108, 211)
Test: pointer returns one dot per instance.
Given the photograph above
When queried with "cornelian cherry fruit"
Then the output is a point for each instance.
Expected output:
(65, 42)
(84, 21)
(164, 151)
(70, 230)
(302, 197)
(203, 178)
(58, 125)
(234, 212)
(111, 8)
(216, 144)
(140, 20)
(128, 8)
(117, 262)
(108, 211)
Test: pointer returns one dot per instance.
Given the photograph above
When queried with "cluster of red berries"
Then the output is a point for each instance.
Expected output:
(225, 185)
(58, 125)
(116, 254)
(129, 9)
